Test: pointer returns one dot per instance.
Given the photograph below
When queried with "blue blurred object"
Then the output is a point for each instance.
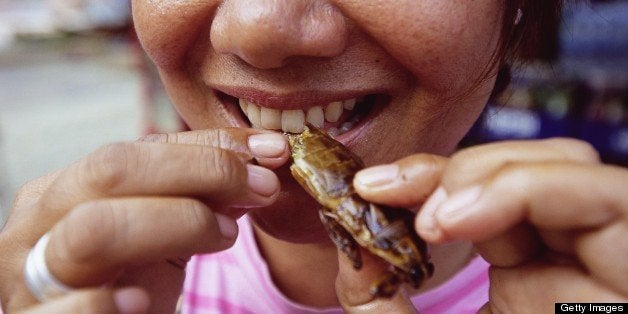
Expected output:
(583, 94)
(598, 29)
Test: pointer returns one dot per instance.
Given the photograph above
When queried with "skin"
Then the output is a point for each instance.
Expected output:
(428, 57)
(425, 90)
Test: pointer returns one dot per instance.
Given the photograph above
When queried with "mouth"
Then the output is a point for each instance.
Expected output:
(342, 116)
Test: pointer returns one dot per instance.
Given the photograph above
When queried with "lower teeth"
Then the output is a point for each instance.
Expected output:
(345, 127)
(363, 105)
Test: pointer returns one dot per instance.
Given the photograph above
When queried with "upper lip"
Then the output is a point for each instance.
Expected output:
(292, 100)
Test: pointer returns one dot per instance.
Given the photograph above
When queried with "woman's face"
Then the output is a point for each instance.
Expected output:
(413, 68)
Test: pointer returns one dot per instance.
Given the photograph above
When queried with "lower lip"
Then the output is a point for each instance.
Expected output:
(348, 138)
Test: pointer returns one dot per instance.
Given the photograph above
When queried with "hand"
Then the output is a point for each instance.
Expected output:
(131, 214)
(95, 300)
(549, 217)
(353, 286)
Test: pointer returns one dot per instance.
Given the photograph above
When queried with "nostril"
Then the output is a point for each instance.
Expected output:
(254, 39)
(264, 36)
(262, 57)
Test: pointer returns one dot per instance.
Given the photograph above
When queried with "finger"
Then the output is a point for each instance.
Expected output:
(32, 190)
(126, 169)
(536, 288)
(470, 167)
(91, 245)
(158, 279)
(353, 287)
(399, 303)
(404, 183)
(474, 164)
(523, 244)
(515, 247)
(269, 149)
(27, 196)
(127, 300)
(560, 241)
(508, 249)
(556, 196)
(552, 197)
(605, 252)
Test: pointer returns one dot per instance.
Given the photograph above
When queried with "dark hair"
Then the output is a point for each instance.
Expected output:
(527, 40)
(537, 26)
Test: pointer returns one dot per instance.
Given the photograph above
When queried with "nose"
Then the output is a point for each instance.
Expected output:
(264, 33)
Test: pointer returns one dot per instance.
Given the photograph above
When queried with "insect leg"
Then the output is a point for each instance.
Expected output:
(343, 240)
(386, 286)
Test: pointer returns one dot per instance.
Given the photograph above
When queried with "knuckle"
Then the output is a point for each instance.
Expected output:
(196, 217)
(472, 151)
(523, 182)
(463, 160)
(427, 160)
(107, 168)
(200, 223)
(34, 189)
(27, 191)
(434, 164)
(221, 137)
(575, 148)
(221, 168)
(24, 192)
(87, 230)
(213, 137)
(515, 174)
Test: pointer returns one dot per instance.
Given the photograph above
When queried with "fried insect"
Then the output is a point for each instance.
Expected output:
(325, 169)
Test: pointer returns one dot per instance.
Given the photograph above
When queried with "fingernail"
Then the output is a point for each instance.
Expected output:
(262, 181)
(377, 176)
(228, 227)
(459, 201)
(131, 300)
(267, 145)
(426, 223)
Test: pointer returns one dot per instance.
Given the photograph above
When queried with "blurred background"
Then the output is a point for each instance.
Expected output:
(575, 86)
(73, 77)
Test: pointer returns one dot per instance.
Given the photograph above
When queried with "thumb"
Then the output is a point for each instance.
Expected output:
(353, 287)
(405, 183)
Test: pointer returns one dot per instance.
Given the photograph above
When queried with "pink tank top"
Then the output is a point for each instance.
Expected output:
(238, 281)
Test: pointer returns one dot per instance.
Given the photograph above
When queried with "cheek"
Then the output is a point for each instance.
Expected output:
(168, 28)
(168, 31)
(446, 44)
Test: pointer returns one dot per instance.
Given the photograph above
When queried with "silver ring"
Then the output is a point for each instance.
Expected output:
(39, 280)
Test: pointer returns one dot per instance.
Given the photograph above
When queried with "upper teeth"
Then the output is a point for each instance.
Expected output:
(293, 121)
